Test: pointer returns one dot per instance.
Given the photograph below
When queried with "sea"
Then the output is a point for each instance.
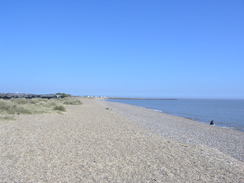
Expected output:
(225, 113)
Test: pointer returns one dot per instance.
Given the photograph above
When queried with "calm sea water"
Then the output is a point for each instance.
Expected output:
(225, 113)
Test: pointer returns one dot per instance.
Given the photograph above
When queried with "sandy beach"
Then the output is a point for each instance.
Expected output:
(101, 141)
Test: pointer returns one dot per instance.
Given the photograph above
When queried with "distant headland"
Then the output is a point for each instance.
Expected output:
(136, 98)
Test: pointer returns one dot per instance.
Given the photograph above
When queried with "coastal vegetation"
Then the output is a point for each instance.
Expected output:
(63, 95)
(59, 108)
(16, 106)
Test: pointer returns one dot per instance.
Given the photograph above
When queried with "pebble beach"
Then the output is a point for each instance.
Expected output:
(101, 141)
(185, 130)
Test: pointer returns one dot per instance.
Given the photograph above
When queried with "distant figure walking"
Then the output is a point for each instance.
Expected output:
(211, 122)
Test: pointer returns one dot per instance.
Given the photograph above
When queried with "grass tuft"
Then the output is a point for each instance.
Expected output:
(7, 117)
(12, 108)
(59, 108)
(71, 101)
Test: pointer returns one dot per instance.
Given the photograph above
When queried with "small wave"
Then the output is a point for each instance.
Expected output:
(232, 128)
(157, 110)
(227, 127)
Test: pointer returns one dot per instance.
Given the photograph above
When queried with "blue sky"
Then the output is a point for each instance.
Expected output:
(191, 49)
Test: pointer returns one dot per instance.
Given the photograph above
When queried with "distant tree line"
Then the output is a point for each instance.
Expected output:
(30, 96)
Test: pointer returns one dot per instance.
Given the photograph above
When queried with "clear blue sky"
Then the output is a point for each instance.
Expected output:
(141, 48)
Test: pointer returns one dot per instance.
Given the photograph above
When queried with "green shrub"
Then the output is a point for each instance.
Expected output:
(59, 108)
(6, 117)
(20, 101)
(72, 101)
(15, 106)
(3, 105)
(12, 108)
(18, 110)
(36, 100)
(62, 95)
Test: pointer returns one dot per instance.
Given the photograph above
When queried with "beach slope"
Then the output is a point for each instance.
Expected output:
(226, 140)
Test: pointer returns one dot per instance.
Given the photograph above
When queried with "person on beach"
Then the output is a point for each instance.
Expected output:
(211, 122)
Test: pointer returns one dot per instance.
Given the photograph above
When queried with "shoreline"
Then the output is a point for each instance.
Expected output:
(227, 140)
(187, 118)
(196, 120)
(218, 123)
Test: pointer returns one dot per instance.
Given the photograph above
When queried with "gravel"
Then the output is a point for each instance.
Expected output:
(89, 143)
(184, 130)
